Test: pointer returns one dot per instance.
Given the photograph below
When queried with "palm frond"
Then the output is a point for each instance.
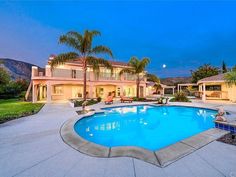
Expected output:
(133, 62)
(95, 33)
(127, 70)
(145, 61)
(153, 78)
(101, 50)
(230, 78)
(142, 65)
(62, 58)
(75, 35)
(70, 41)
(97, 62)
(87, 41)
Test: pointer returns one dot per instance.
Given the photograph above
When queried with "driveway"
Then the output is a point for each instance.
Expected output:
(32, 147)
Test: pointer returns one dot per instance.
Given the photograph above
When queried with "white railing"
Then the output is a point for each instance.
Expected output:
(68, 73)
(107, 76)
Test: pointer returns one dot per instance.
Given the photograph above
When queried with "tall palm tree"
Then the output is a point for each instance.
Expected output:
(137, 68)
(157, 86)
(85, 53)
(230, 78)
(153, 78)
(156, 80)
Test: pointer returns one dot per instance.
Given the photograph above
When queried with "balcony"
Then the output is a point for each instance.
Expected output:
(68, 73)
(78, 75)
(107, 76)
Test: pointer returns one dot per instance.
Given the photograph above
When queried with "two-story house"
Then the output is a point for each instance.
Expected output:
(66, 82)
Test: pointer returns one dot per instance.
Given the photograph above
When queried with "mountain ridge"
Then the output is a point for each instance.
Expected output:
(17, 69)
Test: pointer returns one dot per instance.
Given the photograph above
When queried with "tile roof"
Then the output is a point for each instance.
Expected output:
(77, 61)
(219, 77)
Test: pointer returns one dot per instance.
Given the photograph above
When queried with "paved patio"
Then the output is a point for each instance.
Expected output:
(32, 147)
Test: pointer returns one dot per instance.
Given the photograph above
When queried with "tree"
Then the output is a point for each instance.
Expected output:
(234, 68)
(137, 68)
(4, 77)
(230, 78)
(156, 80)
(224, 68)
(4, 80)
(153, 78)
(157, 86)
(85, 53)
(204, 71)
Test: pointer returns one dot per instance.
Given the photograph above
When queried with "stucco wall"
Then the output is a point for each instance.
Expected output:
(68, 92)
(231, 92)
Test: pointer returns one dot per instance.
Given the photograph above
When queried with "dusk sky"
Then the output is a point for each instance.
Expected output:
(181, 34)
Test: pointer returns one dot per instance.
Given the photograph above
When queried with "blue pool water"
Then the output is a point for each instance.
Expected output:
(149, 127)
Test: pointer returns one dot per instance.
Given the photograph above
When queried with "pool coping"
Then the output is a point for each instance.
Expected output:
(161, 158)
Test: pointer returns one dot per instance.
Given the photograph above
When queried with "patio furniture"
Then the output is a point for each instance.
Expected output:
(163, 100)
(215, 95)
(109, 100)
(126, 99)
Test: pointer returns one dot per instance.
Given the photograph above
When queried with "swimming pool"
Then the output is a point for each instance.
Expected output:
(145, 126)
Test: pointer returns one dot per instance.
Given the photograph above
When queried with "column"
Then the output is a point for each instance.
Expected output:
(49, 94)
(34, 91)
(34, 71)
(48, 71)
(204, 92)
(122, 77)
(144, 90)
(163, 91)
(91, 89)
(173, 91)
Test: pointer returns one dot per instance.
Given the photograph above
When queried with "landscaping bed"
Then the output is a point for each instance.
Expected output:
(228, 138)
(13, 108)
(144, 99)
(78, 103)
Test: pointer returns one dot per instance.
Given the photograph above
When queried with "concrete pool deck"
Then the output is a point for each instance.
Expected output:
(32, 147)
(160, 158)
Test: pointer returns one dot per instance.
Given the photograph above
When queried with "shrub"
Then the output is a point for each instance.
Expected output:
(180, 96)
(79, 103)
(139, 99)
(99, 99)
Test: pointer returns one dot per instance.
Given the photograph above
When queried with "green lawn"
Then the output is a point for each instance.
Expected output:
(13, 109)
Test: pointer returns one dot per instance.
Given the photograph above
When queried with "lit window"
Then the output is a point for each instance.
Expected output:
(58, 90)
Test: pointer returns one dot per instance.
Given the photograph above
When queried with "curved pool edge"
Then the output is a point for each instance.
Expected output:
(161, 158)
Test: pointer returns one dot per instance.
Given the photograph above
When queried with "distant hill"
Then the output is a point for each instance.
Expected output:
(175, 80)
(17, 69)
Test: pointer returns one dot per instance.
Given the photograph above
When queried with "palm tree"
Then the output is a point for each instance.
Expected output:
(85, 53)
(137, 68)
(230, 78)
(153, 78)
(157, 86)
(156, 80)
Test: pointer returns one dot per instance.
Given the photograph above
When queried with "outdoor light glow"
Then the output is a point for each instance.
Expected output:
(164, 66)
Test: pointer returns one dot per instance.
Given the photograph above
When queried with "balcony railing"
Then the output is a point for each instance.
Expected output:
(68, 73)
(129, 77)
(107, 76)
(78, 74)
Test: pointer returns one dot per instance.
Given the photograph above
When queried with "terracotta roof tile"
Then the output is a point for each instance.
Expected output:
(77, 61)
(218, 77)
